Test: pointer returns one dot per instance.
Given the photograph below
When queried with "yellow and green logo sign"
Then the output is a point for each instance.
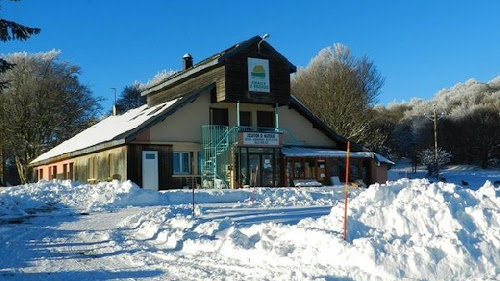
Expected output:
(258, 75)
(258, 71)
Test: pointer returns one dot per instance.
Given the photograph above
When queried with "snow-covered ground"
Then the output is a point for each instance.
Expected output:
(408, 229)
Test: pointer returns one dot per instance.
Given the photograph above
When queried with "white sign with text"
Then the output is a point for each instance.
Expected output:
(263, 139)
(258, 75)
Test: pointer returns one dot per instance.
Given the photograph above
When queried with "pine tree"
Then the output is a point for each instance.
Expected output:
(10, 30)
(130, 98)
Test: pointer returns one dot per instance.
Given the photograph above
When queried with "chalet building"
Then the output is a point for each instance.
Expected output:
(227, 121)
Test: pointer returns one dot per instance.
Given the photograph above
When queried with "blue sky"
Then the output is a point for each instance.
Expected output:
(420, 47)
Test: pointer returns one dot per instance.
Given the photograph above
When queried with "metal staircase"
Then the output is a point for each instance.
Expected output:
(218, 144)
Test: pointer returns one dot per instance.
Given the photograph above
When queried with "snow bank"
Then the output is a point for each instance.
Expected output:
(73, 196)
(414, 229)
(404, 230)
(260, 196)
(48, 195)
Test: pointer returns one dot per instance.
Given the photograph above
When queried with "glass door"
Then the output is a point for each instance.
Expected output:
(267, 174)
(258, 167)
(254, 161)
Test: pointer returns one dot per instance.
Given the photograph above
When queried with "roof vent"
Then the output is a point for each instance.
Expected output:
(187, 61)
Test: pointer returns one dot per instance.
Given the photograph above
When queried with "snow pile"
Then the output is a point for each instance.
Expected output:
(48, 195)
(405, 230)
(260, 196)
(414, 229)
(28, 199)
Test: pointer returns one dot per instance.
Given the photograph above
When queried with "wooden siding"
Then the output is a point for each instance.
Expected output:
(205, 78)
(134, 160)
(236, 88)
(107, 165)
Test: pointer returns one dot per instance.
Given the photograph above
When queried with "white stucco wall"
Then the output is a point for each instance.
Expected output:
(184, 126)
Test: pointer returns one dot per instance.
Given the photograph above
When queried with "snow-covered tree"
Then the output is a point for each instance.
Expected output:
(470, 127)
(340, 89)
(157, 79)
(44, 104)
(10, 30)
(428, 156)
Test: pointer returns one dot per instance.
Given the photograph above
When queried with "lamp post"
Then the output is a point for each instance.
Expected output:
(115, 112)
(264, 37)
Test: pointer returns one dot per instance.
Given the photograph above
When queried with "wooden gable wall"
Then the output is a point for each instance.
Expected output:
(236, 88)
(190, 84)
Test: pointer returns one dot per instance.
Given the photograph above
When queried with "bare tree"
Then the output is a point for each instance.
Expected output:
(10, 30)
(43, 105)
(340, 89)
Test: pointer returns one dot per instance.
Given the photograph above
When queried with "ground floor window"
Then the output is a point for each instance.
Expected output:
(53, 174)
(65, 171)
(324, 169)
(92, 168)
(182, 163)
(71, 172)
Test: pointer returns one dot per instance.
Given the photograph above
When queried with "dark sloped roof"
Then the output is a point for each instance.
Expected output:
(214, 60)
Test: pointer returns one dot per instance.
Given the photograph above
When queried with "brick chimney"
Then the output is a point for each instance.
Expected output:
(187, 61)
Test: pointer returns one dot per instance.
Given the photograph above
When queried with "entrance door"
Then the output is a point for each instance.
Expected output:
(267, 175)
(261, 169)
(254, 161)
(258, 166)
(150, 170)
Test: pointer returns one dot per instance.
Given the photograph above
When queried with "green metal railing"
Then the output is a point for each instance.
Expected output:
(217, 144)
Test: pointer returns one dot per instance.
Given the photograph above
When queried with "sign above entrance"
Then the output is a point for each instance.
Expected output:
(258, 75)
(260, 139)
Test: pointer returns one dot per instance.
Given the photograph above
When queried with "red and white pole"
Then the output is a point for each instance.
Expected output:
(346, 188)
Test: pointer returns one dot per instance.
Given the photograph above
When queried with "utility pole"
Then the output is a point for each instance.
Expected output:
(436, 155)
(435, 117)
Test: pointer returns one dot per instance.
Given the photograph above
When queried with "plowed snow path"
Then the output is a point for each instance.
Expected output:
(54, 246)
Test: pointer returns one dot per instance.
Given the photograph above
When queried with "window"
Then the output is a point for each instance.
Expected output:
(219, 116)
(265, 119)
(65, 171)
(200, 161)
(182, 163)
(92, 168)
(70, 172)
(246, 118)
(54, 173)
(41, 174)
(111, 166)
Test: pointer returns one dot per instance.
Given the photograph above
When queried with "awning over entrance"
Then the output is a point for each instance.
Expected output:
(321, 152)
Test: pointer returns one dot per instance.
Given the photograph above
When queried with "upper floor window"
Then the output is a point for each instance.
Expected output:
(246, 118)
(219, 116)
(265, 119)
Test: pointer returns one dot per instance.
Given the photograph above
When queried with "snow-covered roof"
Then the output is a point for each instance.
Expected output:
(320, 152)
(112, 128)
